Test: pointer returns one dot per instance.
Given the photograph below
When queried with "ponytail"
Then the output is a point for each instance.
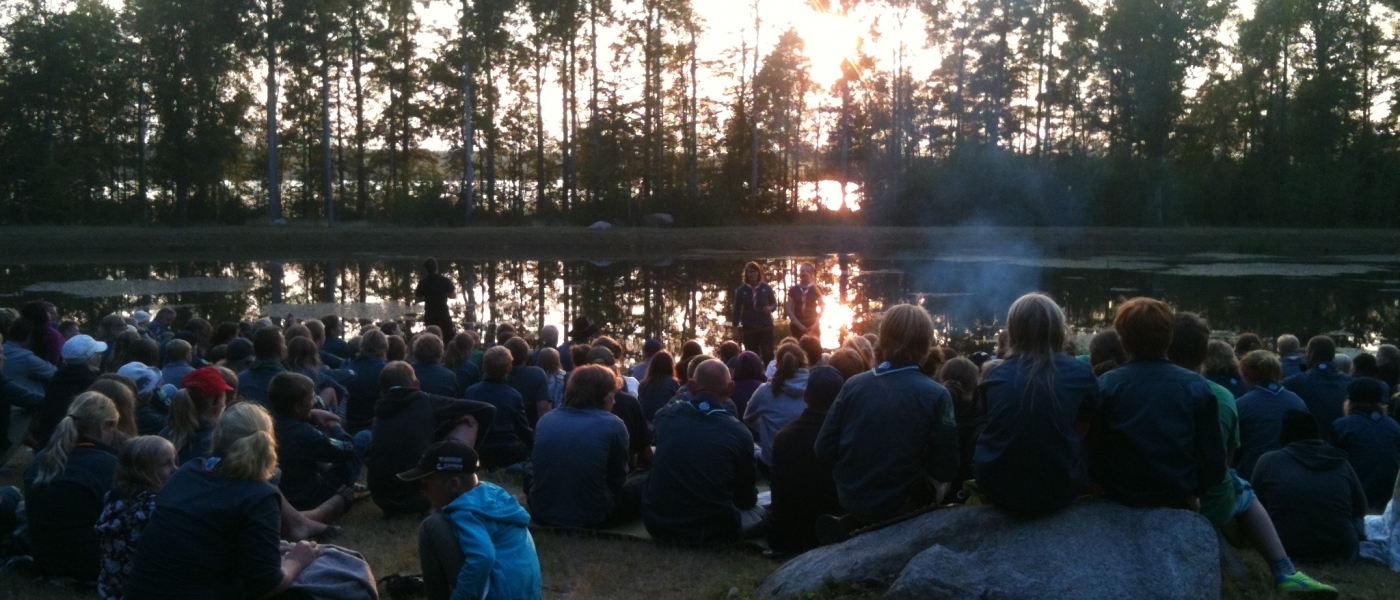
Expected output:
(791, 358)
(244, 439)
(184, 419)
(88, 413)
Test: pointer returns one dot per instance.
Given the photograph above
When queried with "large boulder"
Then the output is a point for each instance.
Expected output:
(1094, 549)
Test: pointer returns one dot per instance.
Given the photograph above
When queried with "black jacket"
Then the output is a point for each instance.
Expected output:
(1313, 498)
(406, 422)
(301, 448)
(69, 381)
(803, 487)
(1372, 445)
(703, 475)
(63, 511)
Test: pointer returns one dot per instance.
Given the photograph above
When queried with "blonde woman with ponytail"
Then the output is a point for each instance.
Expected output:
(778, 402)
(193, 412)
(65, 486)
(214, 532)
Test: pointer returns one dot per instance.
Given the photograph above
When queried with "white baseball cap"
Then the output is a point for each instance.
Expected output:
(141, 316)
(81, 348)
(147, 378)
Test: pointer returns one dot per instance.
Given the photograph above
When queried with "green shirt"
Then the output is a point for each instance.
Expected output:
(1218, 503)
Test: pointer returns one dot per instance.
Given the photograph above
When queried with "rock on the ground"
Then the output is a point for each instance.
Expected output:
(1094, 549)
(659, 220)
(600, 226)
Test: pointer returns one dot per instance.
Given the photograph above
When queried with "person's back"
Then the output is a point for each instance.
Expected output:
(468, 374)
(1313, 497)
(25, 368)
(703, 474)
(1371, 441)
(1233, 383)
(533, 387)
(1322, 387)
(1261, 414)
(253, 382)
(194, 546)
(63, 511)
(657, 393)
(890, 430)
(580, 464)
(1029, 458)
(363, 391)
(438, 380)
(1156, 440)
(405, 421)
(802, 485)
(505, 442)
(769, 410)
(68, 381)
(175, 371)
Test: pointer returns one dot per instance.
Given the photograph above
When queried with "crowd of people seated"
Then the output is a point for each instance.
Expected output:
(174, 462)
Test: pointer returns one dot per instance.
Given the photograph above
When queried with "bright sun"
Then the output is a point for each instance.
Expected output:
(830, 39)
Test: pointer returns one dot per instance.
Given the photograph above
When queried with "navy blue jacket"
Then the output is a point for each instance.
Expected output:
(1028, 458)
(1293, 364)
(533, 386)
(1261, 417)
(1313, 499)
(1156, 439)
(1324, 389)
(703, 476)
(364, 391)
(254, 381)
(468, 374)
(59, 392)
(301, 448)
(1372, 444)
(509, 429)
(580, 461)
(63, 511)
(1234, 383)
(211, 537)
(437, 380)
(753, 306)
(889, 430)
(406, 422)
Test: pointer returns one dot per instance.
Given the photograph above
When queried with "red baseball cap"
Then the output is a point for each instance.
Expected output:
(205, 382)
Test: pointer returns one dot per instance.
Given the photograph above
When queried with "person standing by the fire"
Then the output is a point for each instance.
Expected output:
(804, 303)
(433, 291)
(754, 303)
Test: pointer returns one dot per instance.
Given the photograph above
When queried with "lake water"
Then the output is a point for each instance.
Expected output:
(1356, 298)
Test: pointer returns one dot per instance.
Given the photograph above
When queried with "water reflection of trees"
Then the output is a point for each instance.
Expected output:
(687, 299)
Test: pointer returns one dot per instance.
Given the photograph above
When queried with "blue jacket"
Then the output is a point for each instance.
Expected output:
(509, 429)
(1372, 444)
(175, 371)
(533, 386)
(468, 374)
(253, 383)
(768, 412)
(753, 306)
(25, 369)
(703, 475)
(493, 529)
(1324, 389)
(363, 391)
(889, 429)
(437, 380)
(1261, 417)
(1234, 383)
(1028, 458)
(1156, 438)
(580, 461)
(1293, 364)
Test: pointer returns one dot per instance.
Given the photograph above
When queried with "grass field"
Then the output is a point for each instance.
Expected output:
(577, 567)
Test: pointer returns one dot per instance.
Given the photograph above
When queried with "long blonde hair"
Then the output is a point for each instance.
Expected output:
(187, 412)
(244, 438)
(138, 460)
(90, 411)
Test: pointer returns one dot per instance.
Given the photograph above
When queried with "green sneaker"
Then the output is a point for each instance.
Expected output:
(1300, 584)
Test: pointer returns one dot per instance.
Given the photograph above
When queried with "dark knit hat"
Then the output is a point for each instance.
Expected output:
(1364, 390)
(823, 384)
(238, 349)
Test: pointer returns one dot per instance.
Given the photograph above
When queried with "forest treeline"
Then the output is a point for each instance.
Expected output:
(1084, 112)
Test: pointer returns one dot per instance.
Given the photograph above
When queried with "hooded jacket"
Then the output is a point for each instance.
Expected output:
(769, 412)
(1261, 416)
(1314, 499)
(500, 554)
(748, 375)
(406, 422)
(1371, 442)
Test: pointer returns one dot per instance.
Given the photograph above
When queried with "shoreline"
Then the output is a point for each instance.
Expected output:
(96, 245)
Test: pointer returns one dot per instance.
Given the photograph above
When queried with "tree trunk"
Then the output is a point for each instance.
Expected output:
(326, 188)
(468, 141)
(274, 180)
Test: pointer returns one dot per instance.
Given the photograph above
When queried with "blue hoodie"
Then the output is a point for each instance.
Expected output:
(500, 554)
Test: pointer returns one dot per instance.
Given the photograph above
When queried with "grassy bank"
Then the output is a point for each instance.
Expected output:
(577, 567)
(60, 245)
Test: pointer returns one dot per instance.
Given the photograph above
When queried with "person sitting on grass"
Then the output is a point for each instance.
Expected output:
(433, 377)
(1261, 409)
(1222, 368)
(892, 432)
(1313, 497)
(214, 530)
(556, 378)
(778, 402)
(364, 387)
(581, 458)
(1322, 387)
(177, 354)
(270, 348)
(1371, 440)
(195, 411)
(509, 439)
(803, 487)
(1289, 358)
(476, 544)
(659, 385)
(530, 381)
(1029, 459)
(627, 408)
(701, 487)
(307, 438)
(64, 487)
(144, 464)
(406, 421)
(81, 356)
